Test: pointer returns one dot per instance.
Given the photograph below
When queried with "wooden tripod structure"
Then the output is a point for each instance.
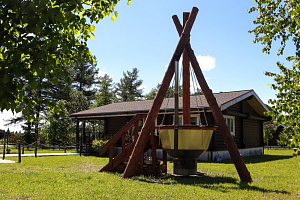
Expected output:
(149, 125)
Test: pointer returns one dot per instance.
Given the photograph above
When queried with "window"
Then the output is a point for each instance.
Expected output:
(230, 121)
(142, 124)
(194, 120)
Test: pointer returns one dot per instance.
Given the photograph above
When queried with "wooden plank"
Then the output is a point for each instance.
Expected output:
(228, 139)
(153, 152)
(111, 156)
(153, 112)
(118, 159)
(136, 130)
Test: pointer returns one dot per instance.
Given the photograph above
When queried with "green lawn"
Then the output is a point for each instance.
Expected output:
(276, 175)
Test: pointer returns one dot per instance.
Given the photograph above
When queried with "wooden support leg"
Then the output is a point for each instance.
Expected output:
(217, 113)
(141, 169)
(111, 155)
(153, 112)
(153, 153)
(123, 143)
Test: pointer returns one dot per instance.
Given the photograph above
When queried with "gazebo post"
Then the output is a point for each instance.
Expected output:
(77, 135)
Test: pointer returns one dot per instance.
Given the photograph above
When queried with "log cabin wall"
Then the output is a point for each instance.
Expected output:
(253, 129)
(248, 132)
(114, 124)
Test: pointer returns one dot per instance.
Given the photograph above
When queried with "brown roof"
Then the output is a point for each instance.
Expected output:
(224, 100)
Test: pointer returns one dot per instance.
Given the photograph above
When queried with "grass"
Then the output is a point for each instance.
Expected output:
(40, 150)
(275, 176)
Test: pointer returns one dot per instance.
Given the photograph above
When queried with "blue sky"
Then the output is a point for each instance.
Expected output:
(144, 36)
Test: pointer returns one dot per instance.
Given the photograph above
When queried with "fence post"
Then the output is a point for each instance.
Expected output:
(65, 148)
(23, 148)
(19, 152)
(35, 149)
(80, 148)
(4, 147)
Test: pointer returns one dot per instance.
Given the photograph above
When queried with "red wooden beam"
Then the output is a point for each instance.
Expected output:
(153, 112)
(119, 134)
(217, 113)
(186, 82)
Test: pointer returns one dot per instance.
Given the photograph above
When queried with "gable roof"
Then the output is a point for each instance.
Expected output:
(224, 100)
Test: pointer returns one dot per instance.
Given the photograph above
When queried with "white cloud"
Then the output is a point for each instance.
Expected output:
(7, 115)
(206, 63)
(102, 72)
(142, 87)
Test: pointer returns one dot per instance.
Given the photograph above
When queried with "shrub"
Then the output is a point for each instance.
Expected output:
(98, 144)
(8, 150)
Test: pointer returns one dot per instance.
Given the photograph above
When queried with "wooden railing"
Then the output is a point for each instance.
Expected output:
(152, 143)
(126, 151)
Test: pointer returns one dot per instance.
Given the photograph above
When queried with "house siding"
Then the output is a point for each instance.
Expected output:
(252, 133)
(114, 124)
(253, 129)
(248, 132)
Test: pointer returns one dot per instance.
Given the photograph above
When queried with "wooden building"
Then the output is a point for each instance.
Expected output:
(243, 111)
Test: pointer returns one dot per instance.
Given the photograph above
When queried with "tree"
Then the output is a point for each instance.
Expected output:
(152, 93)
(198, 91)
(39, 37)
(77, 102)
(286, 107)
(84, 77)
(279, 20)
(269, 130)
(58, 125)
(170, 93)
(105, 94)
(128, 88)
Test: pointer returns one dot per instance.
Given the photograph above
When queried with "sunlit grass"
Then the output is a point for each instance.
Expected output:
(275, 176)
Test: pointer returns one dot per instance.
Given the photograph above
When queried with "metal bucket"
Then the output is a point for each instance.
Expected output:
(193, 141)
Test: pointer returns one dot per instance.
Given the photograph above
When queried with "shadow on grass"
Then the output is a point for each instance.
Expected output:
(212, 183)
(258, 159)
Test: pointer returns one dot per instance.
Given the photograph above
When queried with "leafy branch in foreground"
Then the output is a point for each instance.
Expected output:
(37, 38)
(279, 20)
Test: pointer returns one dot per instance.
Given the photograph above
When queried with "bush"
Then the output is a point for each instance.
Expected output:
(98, 144)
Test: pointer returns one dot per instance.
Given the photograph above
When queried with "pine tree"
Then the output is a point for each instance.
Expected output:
(128, 88)
(105, 94)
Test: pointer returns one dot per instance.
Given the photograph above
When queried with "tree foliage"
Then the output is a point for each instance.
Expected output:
(39, 37)
(83, 77)
(105, 94)
(280, 20)
(269, 130)
(128, 88)
(58, 125)
(277, 20)
(286, 107)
